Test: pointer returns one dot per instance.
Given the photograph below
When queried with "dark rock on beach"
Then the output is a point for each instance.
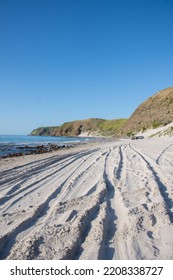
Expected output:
(16, 151)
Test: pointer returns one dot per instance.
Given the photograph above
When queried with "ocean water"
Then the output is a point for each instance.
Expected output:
(38, 140)
(9, 144)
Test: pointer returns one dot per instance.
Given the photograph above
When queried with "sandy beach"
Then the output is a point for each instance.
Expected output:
(109, 200)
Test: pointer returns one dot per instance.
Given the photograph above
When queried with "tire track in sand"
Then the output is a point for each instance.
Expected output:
(98, 243)
(136, 204)
(162, 153)
(158, 178)
(83, 230)
(109, 207)
(9, 239)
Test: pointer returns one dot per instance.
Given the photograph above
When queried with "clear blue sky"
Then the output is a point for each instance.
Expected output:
(62, 60)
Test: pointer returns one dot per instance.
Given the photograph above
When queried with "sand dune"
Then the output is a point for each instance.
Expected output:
(110, 200)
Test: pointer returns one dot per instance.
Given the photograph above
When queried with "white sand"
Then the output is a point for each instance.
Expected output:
(158, 132)
(102, 201)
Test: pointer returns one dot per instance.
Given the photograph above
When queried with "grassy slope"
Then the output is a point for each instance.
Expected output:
(91, 126)
(46, 131)
(154, 112)
(112, 127)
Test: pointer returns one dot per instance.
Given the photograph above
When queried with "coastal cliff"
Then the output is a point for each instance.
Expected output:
(155, 112)
(89, 127)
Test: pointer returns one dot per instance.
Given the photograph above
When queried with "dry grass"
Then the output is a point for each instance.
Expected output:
(154, 112)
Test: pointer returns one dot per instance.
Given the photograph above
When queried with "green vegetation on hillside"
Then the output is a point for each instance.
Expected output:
(43, 131)
(75, 128)
(156, 111)
(91, 127)
(112, 127)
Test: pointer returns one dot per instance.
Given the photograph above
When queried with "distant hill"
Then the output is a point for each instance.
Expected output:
(156, 111)
(43, 131)
(88, 127)
(153, 113)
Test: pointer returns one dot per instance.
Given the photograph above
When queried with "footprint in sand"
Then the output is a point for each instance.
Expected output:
(156, 251)
(9, 223)
(153, 220)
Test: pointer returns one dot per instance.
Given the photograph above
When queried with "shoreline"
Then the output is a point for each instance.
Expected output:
(14, 161)
(19, 149)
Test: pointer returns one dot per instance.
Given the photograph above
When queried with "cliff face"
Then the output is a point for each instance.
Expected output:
(156, 111)
(43, 131)
(88, 127)
(76, 128)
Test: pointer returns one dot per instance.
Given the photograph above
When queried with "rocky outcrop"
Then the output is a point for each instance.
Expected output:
(16, 151)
